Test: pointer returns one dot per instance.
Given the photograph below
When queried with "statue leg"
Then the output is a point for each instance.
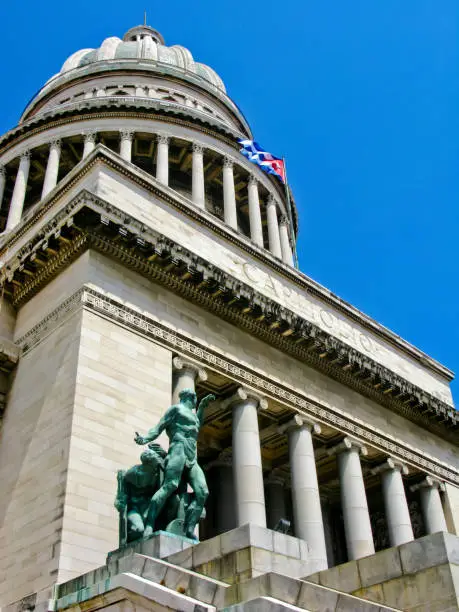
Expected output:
(197, 481)
(174, 469)
(135, 525)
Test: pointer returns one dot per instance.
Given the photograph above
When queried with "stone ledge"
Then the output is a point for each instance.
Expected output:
(414, 576)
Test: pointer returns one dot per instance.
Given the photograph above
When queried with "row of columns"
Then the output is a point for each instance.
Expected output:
(249, 489)
(278, 229)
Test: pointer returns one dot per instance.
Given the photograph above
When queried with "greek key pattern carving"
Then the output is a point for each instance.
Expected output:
(115, 310)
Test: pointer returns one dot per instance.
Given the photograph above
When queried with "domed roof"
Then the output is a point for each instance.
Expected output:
(142, 43)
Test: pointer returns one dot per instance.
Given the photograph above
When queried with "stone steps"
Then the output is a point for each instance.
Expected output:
(151, 578)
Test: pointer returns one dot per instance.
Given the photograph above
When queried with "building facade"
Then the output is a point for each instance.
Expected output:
(141, 254)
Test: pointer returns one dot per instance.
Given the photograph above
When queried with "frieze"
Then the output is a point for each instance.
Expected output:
(276, 313)
(144, 324)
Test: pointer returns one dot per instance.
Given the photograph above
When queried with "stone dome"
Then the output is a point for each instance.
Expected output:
(142, 43)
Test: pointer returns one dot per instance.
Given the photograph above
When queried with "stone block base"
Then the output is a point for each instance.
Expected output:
(421, 576)
(246, 552)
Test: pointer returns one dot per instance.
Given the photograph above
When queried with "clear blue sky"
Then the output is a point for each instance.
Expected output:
(362, 97)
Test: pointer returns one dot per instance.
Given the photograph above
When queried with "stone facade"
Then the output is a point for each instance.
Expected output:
(149, 256)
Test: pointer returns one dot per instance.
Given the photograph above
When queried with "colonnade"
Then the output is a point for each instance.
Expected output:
(249, 486)
(279, 242)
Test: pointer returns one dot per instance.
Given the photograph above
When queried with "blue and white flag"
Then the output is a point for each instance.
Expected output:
(266, 161)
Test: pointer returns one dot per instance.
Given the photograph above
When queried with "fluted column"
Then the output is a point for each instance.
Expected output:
(19, 191)
(185, 375)
(229, 195)
(275, 499)
(2, 182)
(126, 137)
(432, 508)
(162, 159)
(357, 526)
(52, 168)
(307, 512)
(273, 227)
(286, 249)
(197, 187)
(89, 143)
(395, 504)
(247, 465)
(256, 230)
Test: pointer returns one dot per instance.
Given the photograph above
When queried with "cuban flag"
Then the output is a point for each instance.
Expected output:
(266, 161)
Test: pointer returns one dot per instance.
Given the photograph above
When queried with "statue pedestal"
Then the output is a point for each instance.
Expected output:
(161, 544)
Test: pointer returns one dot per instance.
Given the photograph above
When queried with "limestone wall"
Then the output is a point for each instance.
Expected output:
(77, 399)
(34, 450)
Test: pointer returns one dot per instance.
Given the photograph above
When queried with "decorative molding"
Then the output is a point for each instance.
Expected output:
(262, 326)
(145, 325)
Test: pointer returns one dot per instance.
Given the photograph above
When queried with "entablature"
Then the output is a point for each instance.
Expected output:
(88, 221)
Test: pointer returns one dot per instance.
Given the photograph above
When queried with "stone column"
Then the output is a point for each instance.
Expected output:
(247, 466)
(2, 182)
(275, 493)
(307, 512)
(185, 375)
(256, 231)
(286, 249)
(52, 168)
(89, 143)
(197, 186)
(395, 504)
(273, 227)
(357, 526)
(19, 192)
(223, 492)
(432, 508)
(126, 137)
(162, 159)
(229, 195)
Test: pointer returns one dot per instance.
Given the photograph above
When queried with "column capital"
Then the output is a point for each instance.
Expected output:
(126, 134)
(25, 155)
(162, 139)
(346, 445)
(243, 394)
(197, 148)
(228, 162)
(284, 220)
(429, 482)
(2, 171)
(391, 464)
(90, 136)
(55, 144)
(299, 422)
(270, 200)
(180, 364)
(253, 179)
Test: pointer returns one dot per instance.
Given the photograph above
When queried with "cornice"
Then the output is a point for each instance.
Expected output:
(103, 155)
(164, 261)
(146, 325)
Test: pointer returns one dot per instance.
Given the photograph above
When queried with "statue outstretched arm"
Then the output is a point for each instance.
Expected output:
(203, 405)
(155, 431)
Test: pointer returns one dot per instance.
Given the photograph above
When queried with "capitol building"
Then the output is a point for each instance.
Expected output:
(142, 254)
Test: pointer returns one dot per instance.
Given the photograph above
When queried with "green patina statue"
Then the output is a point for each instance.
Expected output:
(153, 495)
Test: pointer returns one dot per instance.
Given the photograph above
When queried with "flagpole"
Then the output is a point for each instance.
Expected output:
(290, 217)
